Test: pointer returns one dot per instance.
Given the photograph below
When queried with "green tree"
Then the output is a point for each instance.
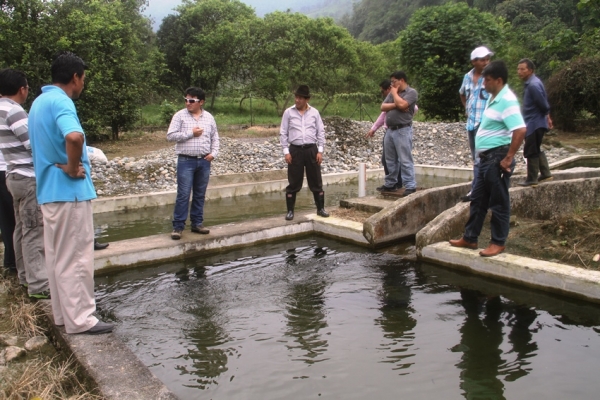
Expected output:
(24, 27)
(289, 49)
(109, 36)
(205, 44)
(435, 49)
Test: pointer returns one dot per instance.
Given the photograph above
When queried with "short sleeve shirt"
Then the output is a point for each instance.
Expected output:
(476, 99)
(398, 117)
(51, 118)
(501, 117)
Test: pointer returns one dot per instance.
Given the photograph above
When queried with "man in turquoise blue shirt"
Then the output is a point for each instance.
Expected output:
(498, 138)
(65, 191)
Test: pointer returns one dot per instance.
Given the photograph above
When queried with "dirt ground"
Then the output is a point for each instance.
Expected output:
(137, 144)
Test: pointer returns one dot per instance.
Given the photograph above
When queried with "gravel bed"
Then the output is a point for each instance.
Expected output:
(434, 143)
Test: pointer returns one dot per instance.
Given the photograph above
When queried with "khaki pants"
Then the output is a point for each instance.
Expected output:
(29, 233)
(69, 242)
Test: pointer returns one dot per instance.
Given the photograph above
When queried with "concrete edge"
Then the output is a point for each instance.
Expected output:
(109, 366)
(238, 187)
(545, 275)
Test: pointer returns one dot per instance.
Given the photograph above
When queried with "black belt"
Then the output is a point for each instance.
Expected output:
(396, 127)
(194, 157)
(303, 146)
(489, 152)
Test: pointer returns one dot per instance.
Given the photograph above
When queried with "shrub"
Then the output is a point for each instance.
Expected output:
(573, 91)
(167, 110)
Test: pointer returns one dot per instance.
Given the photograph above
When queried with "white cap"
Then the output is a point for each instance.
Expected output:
(481, 52)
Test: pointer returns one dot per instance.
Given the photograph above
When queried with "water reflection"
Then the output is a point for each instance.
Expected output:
(397, 319)
(205, 357)
(482, 364)
(481, 336)
(358, 325)
(305, 306)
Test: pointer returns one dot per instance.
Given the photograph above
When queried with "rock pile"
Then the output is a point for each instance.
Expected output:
(434, 143)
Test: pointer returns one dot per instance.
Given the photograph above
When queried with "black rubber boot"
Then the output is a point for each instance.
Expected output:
(320, 203)
(533, 169)
(545, 174)
(290, 200)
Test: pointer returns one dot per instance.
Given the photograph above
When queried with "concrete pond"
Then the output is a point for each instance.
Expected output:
(333, 308)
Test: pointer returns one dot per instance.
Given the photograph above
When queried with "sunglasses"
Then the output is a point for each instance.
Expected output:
(191, 101)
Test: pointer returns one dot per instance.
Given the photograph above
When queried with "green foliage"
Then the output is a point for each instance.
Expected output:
(378, 21)
(167, 110)
(435, 50)
(573, 91)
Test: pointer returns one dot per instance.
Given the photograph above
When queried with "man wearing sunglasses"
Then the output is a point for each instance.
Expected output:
(196, 138)
(474, 97)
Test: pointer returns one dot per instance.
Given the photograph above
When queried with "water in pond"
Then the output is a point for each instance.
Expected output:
(152, 221)
(315, 318)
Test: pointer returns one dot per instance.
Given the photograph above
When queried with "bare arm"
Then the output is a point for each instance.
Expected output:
(74, 148)
(517, 139)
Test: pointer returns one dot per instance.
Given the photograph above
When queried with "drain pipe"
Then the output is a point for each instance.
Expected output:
(362, 179)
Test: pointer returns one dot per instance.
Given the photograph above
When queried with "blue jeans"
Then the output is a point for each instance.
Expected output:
(490, 192)
(192, 177)
(397, 149)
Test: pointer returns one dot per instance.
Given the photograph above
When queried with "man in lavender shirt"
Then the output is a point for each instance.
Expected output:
(302, 138)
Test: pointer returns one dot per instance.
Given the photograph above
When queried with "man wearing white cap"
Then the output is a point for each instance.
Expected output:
(474, 98)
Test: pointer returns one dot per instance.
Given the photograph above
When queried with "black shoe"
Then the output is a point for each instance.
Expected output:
(99, 328)
(176, 234)
(399, 186)
(100, 246)
(200, 229)
(386, 189)
(289, 216)
(408, 192)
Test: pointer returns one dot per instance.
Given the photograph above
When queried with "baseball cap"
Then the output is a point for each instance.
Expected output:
(481, 52)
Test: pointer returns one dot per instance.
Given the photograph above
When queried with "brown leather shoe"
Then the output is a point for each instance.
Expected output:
(492, 250)
(463, 243)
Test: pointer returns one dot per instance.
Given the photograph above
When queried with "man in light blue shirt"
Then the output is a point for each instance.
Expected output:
(65, 191)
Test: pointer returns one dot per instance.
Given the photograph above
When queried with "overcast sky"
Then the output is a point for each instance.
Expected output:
(158, 9)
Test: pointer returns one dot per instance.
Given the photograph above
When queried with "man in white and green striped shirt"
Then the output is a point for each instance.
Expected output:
(499, 137)
(20, 181)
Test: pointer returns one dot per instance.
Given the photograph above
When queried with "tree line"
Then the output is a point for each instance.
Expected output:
(223, 47)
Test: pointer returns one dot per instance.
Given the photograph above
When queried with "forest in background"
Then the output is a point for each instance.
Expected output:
(225, 48)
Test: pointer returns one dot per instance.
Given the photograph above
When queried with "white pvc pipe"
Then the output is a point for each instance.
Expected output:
(362, 179)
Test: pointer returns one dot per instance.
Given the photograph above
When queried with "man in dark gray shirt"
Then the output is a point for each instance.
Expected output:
(399, 106)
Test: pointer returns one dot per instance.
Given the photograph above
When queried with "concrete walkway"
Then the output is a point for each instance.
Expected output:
(549, 276)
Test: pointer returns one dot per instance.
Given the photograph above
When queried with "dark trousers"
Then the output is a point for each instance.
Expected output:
(7, 222)
(533, 143)
(304, 158)
(490, 192)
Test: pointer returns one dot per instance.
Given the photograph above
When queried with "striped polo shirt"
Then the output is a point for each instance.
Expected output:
(14, 138)
(501, 117)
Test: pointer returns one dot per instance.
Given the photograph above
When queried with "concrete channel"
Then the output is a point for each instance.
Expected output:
(432, 216)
